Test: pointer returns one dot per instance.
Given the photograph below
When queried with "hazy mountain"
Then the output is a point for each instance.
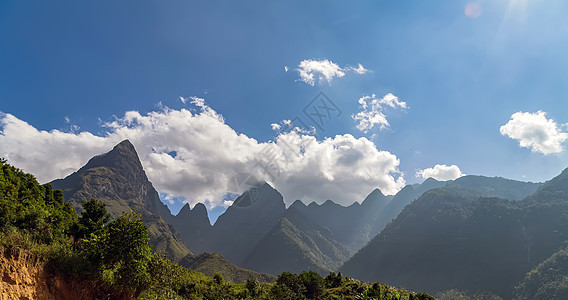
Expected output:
(118, 179)
(458, 237)
(350, 225)
(404, 197)
(481, 185)
(297, 244)
(497, 186)
(554, 190)
(237, 231)
(193, 226)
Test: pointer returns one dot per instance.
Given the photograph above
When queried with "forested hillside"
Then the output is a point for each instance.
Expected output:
(461, 236)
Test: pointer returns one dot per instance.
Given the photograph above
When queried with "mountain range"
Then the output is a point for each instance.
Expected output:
(474, 233)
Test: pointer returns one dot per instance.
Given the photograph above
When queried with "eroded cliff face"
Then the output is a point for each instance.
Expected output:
(25, 276)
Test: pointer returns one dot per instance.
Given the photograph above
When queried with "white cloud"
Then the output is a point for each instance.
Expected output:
(199, 102)
(441, 172)
(535, 131)
(342, 168)
(359, 70)
(182, 99)
(308, 69)
(48, 155)
(275, 126)
(208, 153)
(285, 68)
(372, 111)
(324, 70)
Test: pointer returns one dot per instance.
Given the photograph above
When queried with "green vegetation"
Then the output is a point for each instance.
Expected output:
(211, 263)
(549, 280)
(115, 256)
(33, 209)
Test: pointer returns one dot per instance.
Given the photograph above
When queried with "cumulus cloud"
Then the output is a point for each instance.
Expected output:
(342, 168)
(208, 153)
(372, 108)
(310, 70)
(535, 131)
(441, 172)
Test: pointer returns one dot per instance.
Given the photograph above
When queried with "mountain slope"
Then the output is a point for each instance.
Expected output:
(403, 198)
(549, 280)
(211, 263)
(497, 186)
(481, 185)
(447, 239)
(297, 244)
(457, 236)
(350, 225)
(246, 222)
(193, 226)
(118, 179)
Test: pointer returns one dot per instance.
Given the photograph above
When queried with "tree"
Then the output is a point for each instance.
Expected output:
(92, 220)
(252, 286)
(333, 280)
(218, 278)
(314, 284)
(121, 251)
(126, 246)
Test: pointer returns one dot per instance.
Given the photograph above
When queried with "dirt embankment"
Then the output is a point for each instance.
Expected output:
(24, 276)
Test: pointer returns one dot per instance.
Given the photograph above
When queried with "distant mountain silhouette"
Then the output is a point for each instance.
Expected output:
(297, 244)
(193, 226)
(350, 225)
(237, 231)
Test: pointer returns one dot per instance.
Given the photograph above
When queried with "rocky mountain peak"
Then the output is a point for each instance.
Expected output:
(197, 216)
(122, 157)
(376, 197)
(117, 178)
(200, 210)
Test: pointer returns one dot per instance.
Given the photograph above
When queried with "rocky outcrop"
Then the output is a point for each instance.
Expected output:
(28, 276)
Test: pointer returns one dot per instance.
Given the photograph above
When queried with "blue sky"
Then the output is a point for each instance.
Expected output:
(75, 66)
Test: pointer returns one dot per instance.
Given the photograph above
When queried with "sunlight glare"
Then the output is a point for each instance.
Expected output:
(473, 10)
